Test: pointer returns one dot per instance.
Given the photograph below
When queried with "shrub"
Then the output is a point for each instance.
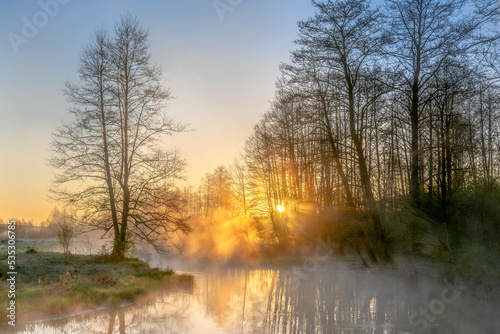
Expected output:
(31, 251)
(479, 266)
(64, 235)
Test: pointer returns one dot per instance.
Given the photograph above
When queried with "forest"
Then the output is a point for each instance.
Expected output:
(382, 138)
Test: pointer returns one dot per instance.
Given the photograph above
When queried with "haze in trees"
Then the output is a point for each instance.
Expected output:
(383, 126)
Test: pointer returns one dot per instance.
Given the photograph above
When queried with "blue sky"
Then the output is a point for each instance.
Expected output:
(221, 72)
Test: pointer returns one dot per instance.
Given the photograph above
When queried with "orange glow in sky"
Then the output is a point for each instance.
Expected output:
(221, 73)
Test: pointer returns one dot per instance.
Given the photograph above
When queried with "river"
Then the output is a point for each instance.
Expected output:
(331, 298)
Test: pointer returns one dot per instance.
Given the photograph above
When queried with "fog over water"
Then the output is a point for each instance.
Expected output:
(312, 298)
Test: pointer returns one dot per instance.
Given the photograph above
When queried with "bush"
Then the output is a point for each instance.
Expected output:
(475, 228)
(64, 235)
(480, 267)
(31, 251)
(462, 228)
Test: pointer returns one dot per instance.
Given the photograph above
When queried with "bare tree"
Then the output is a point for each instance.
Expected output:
(63, 222)
(345, 35)
(109, 161)
(424, 34)
(240, 186)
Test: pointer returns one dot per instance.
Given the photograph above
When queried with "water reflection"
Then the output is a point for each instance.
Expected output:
(328, 300)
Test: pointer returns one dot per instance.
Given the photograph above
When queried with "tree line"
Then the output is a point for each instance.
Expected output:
(376, 106)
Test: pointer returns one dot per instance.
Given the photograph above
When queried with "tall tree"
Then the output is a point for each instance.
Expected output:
(345, 35)
(424, 34)
(109, 160)
(240, 185)
(308, 72)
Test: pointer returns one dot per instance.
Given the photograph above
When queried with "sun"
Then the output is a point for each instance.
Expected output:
(280, 208)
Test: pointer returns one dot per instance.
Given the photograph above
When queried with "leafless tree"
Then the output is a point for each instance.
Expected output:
(423, 35)
(345, 34)
(109, 160)
(240, 186)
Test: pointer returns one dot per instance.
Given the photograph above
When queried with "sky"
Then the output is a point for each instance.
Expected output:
(219, 58)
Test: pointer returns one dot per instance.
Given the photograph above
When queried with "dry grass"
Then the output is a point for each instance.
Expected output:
(48, 284)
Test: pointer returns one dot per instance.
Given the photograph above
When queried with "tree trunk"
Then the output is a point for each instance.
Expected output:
(365, 178)
(109, 181)
(415, 154)
(336, 157)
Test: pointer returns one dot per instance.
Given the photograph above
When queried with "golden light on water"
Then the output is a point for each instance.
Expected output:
(280, 208)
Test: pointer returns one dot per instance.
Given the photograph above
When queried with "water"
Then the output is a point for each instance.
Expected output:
(327, 299)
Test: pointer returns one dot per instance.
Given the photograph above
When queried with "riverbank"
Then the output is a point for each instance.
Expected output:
(50, 284)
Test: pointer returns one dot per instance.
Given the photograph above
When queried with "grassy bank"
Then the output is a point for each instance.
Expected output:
(48, 284)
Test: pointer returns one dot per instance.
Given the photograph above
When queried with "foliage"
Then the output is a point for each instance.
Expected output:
(475, 221)
(462, 229)
(31, 251)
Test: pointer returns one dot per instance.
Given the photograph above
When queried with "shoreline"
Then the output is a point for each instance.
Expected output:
(50, 286)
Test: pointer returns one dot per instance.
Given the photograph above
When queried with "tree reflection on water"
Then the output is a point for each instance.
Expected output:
(329, 300)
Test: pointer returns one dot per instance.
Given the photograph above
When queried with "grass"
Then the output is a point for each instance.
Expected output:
(78, 283)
